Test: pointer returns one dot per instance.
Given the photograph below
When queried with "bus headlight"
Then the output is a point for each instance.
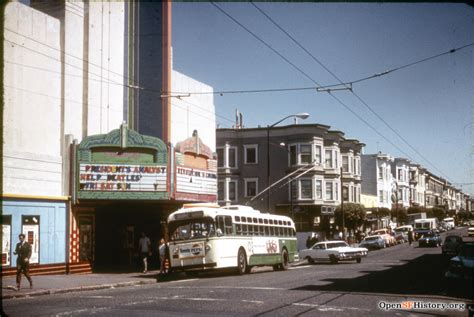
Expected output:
(208, 247)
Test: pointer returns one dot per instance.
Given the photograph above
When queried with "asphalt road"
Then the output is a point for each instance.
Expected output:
(394, 275)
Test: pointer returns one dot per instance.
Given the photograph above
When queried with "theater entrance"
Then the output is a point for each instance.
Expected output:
(108, 234)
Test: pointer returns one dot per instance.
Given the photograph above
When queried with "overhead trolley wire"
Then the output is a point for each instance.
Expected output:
(376, 75)
(306, 75)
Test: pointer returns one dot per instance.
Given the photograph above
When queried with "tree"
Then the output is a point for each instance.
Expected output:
(438, 213)
(354, 215)
(383, 212)
(415, 210)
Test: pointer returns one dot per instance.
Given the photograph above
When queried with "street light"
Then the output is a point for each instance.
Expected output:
(303, 115)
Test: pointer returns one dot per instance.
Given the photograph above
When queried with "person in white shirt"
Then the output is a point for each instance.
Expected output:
(145, 250)
(163, 254)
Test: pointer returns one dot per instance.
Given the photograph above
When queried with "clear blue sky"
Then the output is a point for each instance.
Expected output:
(430, 104)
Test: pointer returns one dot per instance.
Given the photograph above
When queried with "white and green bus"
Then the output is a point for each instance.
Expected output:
(206, 236)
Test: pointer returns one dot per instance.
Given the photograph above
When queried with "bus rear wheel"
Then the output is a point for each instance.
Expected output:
(242, 266)
(284, 262)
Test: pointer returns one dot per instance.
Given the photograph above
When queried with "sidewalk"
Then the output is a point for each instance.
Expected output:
(54, 284)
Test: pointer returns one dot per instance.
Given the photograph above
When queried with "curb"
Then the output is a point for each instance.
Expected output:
(75, 289)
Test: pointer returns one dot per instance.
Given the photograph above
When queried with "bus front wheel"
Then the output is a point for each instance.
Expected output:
(242, 266)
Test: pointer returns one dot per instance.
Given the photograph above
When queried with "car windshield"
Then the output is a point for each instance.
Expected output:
(467, 251)
(371, 238)
(429, 235)
(337, 245)
(192, 229)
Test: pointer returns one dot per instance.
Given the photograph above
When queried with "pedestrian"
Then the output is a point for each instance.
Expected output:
(145, 250)
(308, 242)
(410, 236)
(163, 251)
(23, 250)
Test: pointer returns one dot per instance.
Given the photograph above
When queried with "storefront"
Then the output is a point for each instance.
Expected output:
(125, 184)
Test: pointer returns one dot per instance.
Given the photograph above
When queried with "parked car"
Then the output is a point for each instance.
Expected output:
(389, 240)
(332, 251)
(430, 239)
(451, 245)
(470, 231)
(372, 242)
(399, 237)
(462, 265)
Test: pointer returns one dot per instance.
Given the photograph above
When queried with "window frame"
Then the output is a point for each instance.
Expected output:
(250, 180)
(248, 147)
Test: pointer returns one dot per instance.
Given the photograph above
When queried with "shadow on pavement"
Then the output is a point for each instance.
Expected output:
(421, 276)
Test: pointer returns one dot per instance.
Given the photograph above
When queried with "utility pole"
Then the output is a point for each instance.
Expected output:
(342, 210)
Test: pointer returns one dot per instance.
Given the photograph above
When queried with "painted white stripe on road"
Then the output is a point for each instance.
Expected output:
(329, 308)
(299, 267)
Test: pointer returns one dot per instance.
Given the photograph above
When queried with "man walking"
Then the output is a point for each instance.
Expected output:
(23, 250)
(145, 250)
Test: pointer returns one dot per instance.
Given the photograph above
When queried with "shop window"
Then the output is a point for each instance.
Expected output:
(6, 240)
(31, 230)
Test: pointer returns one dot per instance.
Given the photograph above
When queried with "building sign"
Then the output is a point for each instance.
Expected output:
(104, 177)
(327, 210)
(195, 181)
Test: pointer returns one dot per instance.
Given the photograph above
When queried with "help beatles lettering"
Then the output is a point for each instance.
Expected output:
(101, 177)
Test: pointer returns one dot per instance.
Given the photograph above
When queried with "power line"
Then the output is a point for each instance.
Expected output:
(263, 42)
(337, 99)
(370, 77)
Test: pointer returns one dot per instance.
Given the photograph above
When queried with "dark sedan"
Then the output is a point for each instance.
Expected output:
(430, 239)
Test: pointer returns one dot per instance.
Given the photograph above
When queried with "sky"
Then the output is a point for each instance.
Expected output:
(429, 105)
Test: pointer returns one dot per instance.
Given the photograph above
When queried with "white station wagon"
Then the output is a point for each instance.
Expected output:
(332, 251)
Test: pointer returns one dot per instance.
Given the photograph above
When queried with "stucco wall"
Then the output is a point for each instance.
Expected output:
(105, 53)
(32, 112)
(196, 112)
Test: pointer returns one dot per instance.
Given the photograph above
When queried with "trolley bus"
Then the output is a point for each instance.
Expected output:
(206, 236)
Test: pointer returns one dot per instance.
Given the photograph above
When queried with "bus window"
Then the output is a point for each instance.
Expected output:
(244, 229)
(255, 220)
(237, 218)
(238, 228)
(271, 221)
(280, 222)
(267, 231)
(265, 221)
(244, 219)
(228, 225)
(260, 220)
(224, 223)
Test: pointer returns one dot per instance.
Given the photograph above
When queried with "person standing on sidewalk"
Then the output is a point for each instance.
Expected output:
(163, 251)
(144, 246)
(410, 237)
(23, 250)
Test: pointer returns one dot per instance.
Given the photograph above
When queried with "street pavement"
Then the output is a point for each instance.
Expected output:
(394, 275)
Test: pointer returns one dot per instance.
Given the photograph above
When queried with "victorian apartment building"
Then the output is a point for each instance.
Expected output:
(377, 180)
(389, 182)
(293, 170)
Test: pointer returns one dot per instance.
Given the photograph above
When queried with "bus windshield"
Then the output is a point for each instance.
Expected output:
(192, 229)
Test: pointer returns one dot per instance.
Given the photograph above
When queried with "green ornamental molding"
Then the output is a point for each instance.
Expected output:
(125, 139)
(121, 147)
